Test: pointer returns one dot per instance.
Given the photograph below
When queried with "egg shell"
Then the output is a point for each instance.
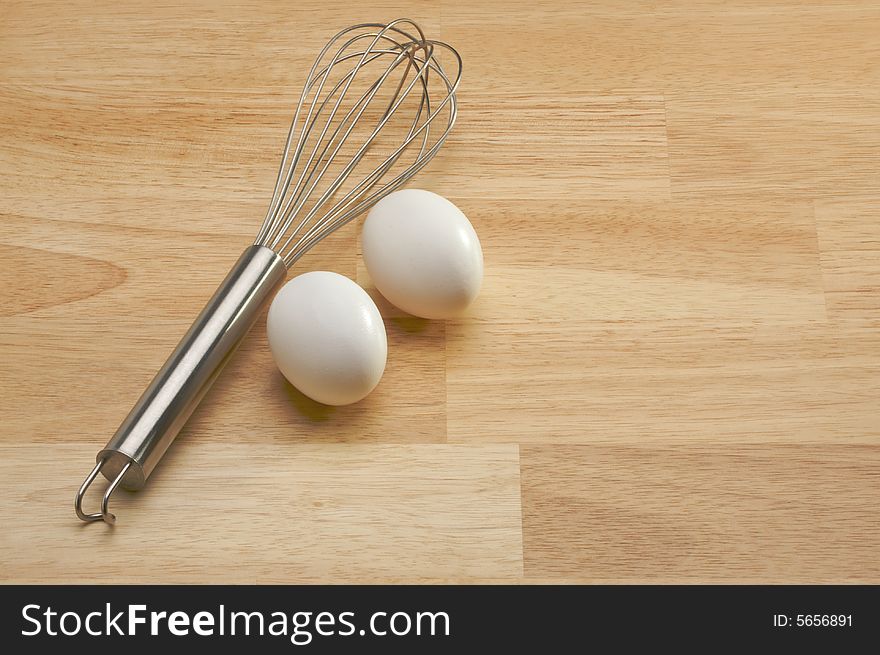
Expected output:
(422, 253)
(327, 337)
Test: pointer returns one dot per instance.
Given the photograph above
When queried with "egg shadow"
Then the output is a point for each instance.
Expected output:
(305, 406)
(410, 324)
(395, 316)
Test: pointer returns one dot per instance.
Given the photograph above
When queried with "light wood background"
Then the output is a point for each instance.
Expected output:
(672, 372)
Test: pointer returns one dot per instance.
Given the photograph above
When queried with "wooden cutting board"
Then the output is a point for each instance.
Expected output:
(671, 375)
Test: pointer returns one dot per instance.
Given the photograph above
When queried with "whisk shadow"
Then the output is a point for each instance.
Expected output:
(123, 503)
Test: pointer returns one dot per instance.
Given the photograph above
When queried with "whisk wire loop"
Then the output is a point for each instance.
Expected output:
(313, 195)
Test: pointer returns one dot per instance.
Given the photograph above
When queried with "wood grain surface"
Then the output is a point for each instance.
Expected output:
(671, 375)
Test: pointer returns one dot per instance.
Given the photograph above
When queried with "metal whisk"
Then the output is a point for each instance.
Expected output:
(375, 108)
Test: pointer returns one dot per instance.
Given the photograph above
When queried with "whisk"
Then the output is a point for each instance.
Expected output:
(376, 107)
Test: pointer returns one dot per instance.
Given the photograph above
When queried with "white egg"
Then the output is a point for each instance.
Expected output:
(422, 253)
(327, 337)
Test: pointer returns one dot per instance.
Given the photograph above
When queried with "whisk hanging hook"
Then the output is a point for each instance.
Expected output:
(105, 514)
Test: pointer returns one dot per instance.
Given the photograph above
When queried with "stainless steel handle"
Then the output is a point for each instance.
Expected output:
(176, 390)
